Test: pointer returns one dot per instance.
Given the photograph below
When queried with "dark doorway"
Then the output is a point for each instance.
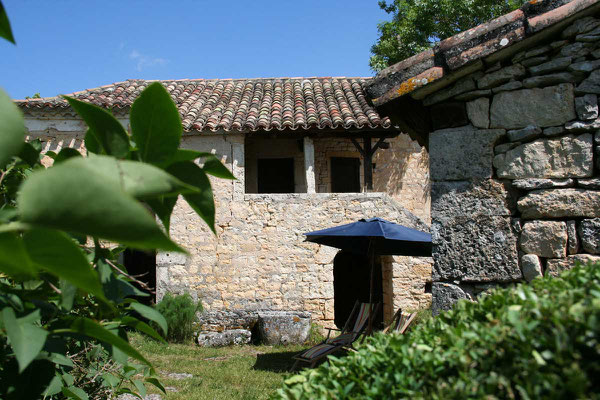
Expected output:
(351, 282)
(345, 175)
(142, 265)
(275, 175)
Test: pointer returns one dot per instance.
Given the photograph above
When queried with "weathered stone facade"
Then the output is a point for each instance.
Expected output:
(258, 260)
(514, 145)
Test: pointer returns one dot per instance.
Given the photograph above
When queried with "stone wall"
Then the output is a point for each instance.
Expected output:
(402, 171)
(259, 260)
(515, 161)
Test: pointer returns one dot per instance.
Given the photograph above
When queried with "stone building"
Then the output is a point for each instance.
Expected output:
(509, 113)
(297, 149)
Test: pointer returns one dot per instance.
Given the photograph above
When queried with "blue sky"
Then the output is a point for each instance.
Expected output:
(66, 46)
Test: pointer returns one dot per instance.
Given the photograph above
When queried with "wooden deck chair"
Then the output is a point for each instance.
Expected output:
(400, 322)
(355, 326)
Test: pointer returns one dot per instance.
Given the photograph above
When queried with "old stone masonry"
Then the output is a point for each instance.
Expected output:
(516, 191)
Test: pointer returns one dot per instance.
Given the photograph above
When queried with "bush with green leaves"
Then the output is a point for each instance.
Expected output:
(538, 340)
(180, 313)
(66, 305)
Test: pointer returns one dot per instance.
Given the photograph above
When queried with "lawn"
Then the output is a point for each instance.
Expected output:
(235, 372)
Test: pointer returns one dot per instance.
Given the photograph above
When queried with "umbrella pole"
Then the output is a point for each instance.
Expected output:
(372, 262)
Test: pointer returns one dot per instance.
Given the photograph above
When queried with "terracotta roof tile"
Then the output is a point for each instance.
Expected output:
(247, 104)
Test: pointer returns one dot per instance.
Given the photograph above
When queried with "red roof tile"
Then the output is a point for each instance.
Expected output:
(247, 104)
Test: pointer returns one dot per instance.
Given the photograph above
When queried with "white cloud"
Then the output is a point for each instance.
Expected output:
(144, 61)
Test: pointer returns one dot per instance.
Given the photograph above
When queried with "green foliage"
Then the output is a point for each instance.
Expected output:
(5, 31)
(315, 335)
(533, 341)
(66, 307)
(417, 24)
(180, 313)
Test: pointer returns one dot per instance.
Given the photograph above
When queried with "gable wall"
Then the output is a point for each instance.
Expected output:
(515, 166)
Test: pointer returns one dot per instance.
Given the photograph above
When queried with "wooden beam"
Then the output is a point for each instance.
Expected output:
(368, 163)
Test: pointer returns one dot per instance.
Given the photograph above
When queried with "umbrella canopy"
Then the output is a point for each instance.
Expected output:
(375, 235)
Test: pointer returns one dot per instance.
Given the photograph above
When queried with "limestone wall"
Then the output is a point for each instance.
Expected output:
(402, 171)
(258, 260)
(515, 165)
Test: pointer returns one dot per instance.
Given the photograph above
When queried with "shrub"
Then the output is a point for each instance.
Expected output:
(531, 341)
(180, 313)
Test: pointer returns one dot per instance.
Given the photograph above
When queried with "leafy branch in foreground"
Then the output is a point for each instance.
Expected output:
(66, 305)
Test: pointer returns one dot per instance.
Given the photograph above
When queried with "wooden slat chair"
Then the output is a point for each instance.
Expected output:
(400, 322)
(359, 318)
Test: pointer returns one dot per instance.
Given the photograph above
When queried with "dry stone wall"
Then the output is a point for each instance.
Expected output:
(516, 188)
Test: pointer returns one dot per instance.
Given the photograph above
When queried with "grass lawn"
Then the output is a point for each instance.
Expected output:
(236, 372)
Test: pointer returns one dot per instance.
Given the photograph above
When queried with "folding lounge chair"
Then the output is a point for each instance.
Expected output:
(359, 318)
(400, 322)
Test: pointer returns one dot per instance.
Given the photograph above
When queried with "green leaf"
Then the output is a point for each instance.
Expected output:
(5, 30)
(139, 385)
(14, 260)
(54, 387)
(214, 167)
(151, 314)
(30, 152)
(12, 128)
(68, 292)
(203, 202)
(155, 124)
(90, 328)
(65, 154)
(58, 254)
(142, 327)
(137, 179)
(163, 208)
(186, 155)
(108, 132)
(111, 380)
(26, 339)
(92, 145)
(156, 383)
(76, 393)
(74, 197)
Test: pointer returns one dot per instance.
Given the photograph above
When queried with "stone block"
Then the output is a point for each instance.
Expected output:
(449, 115)
(476, 249)
(475, 94)
(224, 338)
(555, 266)
(551, 79)
(573, 242)
(533, 61)
(283, 327)
(444, 295)
(576, 49)
(502, 76)
(587, 106)
(478, 112)
(560, 203)
(544, 238)
(565, 157)
(530, 132)
(580, 26)
(589, 183)
(554, 131)
(556, 64)
(545, 107)
(591, 84)
(448, 148)
(535, 184)
(584, 67)
(512, 85)
(164, 258)
(589, 233)
(582, 126)
(531, 266)
(470, 198)
(504, 147)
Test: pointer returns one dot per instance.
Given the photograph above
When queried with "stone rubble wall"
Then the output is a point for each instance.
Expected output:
(258, 260)
(515, 166)
(402, 171)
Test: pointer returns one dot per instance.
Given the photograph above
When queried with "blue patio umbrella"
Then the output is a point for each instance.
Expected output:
(374, 237)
